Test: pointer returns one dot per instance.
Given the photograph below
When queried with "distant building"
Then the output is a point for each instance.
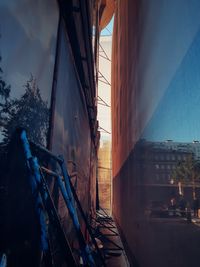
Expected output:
(104, 174)
(161, 158)
(156, 163)
(104, 118)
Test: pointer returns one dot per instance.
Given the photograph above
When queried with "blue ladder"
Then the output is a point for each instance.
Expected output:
(45, 205)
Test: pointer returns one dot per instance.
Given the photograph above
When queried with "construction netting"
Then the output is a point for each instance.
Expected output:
(27, 52)
(42, 92)
(71, 129)
(156, 129)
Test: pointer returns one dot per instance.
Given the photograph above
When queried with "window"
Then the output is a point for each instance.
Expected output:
(157, 166)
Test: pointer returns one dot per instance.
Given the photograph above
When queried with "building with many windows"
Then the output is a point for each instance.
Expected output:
(161, 158)
(156, 165)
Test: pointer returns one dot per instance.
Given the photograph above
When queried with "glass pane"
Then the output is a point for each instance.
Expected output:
(156, 153)
(27, 47)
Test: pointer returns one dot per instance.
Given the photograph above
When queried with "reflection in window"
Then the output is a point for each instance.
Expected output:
(27, 49)
(29, 111)
(157, 166)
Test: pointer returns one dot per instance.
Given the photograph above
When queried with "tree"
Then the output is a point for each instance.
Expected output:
(29, 112)
(4, 98)
(187, 172)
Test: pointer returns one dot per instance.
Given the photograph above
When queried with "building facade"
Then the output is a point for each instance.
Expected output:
(155, 92)
(157, 165)
(162, 158)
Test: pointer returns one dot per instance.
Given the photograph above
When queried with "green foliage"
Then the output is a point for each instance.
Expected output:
(29, 112)
(187, 171)
(4, 99)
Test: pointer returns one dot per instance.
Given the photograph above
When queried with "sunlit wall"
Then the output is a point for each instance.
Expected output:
(104, 118)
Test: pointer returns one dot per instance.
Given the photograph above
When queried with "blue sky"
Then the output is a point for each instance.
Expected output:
(177, 115)
(109, 28)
